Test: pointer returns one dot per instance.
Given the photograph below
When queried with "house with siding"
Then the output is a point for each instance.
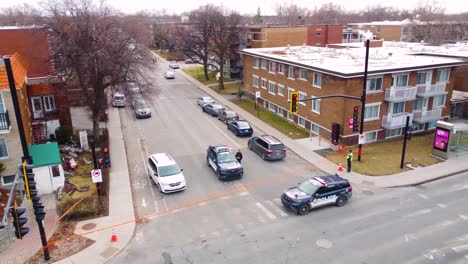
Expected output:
(402, 82)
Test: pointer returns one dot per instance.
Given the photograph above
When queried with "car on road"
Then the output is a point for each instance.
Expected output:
(136, 98)
(169, 75)
(268, 147)
(317, 191)
(165, 173)
(174, 65)
(224, 163)
(227, 115)
(118, 100)
(142, 109)
(201, 101)
(191, 61)
(240, 128)
(213, 109)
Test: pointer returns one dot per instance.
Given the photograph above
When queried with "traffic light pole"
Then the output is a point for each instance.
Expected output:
(405, 138)
(363, 98)
(24, 145)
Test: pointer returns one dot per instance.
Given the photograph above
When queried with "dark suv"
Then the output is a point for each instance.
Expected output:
(317, 191)
(268, 147)
(223, 162)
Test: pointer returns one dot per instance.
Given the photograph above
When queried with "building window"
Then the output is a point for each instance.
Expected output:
(289, 93)
(302, 96)
(290, 117)
(280, 112)
(400, 80)
(423, 77)
(443, 75)
(55, 171)
(438, 101)
(303, 74)
(264, 64)
(272, 67)
(271, 87)
(420, 104)
(301, 121)
(397, 108)
(272, 107)
(2, 104)
(7, 180)
(316, 106)
(393, 133)
(3, 149)
(377, 29)
(318, 32)
(314, 128)
(255, 81)
(374, 84)
(317, 82)
(372, 112)
(264, 83)
(431, 125)
(291, 72)
(418, 127)
(280, 89)
(370, 136)
(255, 63)
(281, 69)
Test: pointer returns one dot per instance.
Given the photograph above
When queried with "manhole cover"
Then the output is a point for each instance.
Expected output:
(324, 243)
(367, 192)
(89, 226)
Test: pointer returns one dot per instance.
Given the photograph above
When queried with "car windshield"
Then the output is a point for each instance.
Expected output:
(141, 105)
(231, 114)
(119, 97)
(309, 186)
(168, 170)
(217, 107)
(226, 157)
(243, 125)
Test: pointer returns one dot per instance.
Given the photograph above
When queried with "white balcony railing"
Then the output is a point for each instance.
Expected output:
(427, 90)
(424, 116)
(396, 120)
(400, 94)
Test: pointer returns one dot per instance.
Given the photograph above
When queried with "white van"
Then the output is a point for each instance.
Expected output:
(118, 100)
(165, 173)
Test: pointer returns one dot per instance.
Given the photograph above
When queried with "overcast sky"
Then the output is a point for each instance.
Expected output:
(250, 6)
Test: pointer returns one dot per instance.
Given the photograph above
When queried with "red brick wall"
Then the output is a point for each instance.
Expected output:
(329, 34)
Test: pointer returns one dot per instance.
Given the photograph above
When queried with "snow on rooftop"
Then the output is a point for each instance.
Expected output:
(383, 23)
(349, 61)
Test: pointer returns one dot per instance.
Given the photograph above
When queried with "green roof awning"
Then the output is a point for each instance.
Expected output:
(45, 154)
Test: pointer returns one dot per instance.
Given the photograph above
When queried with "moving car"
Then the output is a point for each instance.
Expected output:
(240, 128)
(142, 109)
(169, 75)
(118, 100)
(317, 191)
(227, 115)
(213, 109)
(201, 101)
(224, 163)
(174, 65)
(268, 147)
(165, 173)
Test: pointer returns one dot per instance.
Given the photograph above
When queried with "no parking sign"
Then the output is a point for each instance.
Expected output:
(96, 175)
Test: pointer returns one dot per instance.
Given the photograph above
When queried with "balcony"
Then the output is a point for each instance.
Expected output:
(400, 94)
(4, 121)
(396, 120)
(424, 116)
(428, 90)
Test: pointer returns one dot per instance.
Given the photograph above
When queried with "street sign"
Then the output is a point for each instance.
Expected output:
(84, 139)
(362, 139)
(96, 175)
(350, 123)
(257, 94)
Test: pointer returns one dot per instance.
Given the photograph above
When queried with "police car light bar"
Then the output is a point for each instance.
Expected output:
(320, 180)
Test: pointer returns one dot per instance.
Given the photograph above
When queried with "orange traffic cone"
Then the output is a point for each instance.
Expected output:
(340, 168)
(340, 149)
(114, 236)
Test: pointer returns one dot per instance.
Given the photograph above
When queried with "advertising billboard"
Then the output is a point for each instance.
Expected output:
(441, 139)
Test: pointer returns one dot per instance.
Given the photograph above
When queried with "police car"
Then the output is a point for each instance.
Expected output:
(223, 162)
(317, 191)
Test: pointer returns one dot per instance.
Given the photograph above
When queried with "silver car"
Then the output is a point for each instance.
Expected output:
(201, 101)
(142, 109)
(213, 109)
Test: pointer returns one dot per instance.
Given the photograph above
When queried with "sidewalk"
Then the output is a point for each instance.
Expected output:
(121, 213)
(305, 149)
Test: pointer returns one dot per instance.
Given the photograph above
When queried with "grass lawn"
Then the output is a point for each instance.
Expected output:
(198, 74)
(231, 88)
(170, 56)
(384, 158)
(273, 120)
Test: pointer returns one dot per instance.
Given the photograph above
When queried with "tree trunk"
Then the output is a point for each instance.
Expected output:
(221, 70)
(205, 70)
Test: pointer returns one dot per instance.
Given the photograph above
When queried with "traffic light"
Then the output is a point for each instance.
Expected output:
(355, 119)
(32, 192)
(18, 221)
(293, 102)
(409, 133)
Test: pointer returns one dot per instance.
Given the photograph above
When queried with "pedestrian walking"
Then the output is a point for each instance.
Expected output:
(239, 156)
(349, 159)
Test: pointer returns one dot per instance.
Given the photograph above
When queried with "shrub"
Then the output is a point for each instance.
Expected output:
(64, 133)
(87, 208)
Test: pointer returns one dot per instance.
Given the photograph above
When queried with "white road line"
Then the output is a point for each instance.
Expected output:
(420, 212)
(409, 237)
(446, 223)
(146, 171)
(202, 204)
(464, 217)
(460, 248)
(226, 197)
(441, 205)
(423, 196)
(244, 193)
(143, 203)
(268, 213)
(240, 226)
(156, 206)
(216, 234)
(276, 209)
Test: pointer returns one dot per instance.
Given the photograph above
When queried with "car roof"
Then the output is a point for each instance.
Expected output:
(162, 159)
(221, 148)
(330, 179)
(141, 104)
(242, 121)
(206, 97)
(270, 139)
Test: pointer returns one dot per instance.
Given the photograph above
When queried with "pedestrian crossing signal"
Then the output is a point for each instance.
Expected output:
(294, 98)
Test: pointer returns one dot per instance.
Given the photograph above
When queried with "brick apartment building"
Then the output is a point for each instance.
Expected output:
(386, 30)
(400, 83)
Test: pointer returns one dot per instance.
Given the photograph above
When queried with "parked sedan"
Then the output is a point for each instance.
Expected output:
(201, 101)
(240, 128)
(226, 116)
(169, 75)
(213, 109)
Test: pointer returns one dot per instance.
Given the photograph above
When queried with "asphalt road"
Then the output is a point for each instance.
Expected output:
(243, 221)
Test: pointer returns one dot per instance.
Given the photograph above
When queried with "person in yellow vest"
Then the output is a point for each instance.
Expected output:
(349, 159)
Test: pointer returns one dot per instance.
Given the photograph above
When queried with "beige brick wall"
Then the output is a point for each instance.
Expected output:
(281, 37)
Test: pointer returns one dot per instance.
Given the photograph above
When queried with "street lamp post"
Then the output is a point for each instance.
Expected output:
(363, 98)
(93, 151)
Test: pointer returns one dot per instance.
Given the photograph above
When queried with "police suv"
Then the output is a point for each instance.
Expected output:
(317, 191)
(223, 162)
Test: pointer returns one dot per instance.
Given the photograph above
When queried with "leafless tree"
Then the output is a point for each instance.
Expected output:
(20, 15)
(328, 13)
(429, 10)
(93, 49)
(290, 13)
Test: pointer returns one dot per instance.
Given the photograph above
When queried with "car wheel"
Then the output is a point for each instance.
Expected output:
(203, 108)
(159, 188)
(208, 162)
(237, 133)
(341, 201)
(303, 209)
(262, 156)
(218, 174)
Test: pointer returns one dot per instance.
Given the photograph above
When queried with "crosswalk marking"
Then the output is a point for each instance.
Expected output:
(268, 213)
(423, 196)
(441, 205)
(464, 217)
(460, 248)
(276, 209)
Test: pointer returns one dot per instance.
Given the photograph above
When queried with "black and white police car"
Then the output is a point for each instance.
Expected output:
(224, 162)
(317, 191)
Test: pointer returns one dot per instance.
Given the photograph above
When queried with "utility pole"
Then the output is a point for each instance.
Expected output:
(363, 98)
(24, 145)
(406, 135)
